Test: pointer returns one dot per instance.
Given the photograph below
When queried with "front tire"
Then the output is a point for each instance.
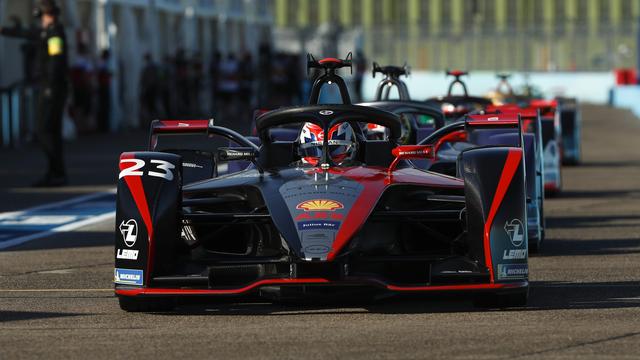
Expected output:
(133, 304)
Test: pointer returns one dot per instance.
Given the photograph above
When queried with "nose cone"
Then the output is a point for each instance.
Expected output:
(318, 210)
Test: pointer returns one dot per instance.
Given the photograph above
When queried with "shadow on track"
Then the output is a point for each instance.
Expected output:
(598, 194)
(73, 239)
(6, 316)
(543, 296)
(610, 164)
(581, 246)
(573, 247)
(592, 221)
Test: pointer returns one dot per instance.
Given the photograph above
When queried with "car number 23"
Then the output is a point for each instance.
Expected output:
(160, 168)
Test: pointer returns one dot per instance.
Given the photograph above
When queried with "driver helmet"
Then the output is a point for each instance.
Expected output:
(342, 143)
(376, 132)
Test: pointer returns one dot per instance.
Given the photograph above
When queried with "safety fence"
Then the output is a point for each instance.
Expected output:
(574, 47)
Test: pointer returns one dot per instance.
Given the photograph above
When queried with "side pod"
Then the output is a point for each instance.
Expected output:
(147, 223)
(495, 194)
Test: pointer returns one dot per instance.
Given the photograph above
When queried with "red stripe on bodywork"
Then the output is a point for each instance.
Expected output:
(508, 171)
(362, 207)
(319, 281)
(134, 183)
(374, 182)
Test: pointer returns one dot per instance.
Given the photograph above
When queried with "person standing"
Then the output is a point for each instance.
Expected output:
(104, 92)
(245, 93)
(51, 68)
(214, 73)
(228, 87)
(361, 67)
(149, 90)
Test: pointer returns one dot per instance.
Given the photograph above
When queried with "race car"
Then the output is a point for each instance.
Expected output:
(418, 119)
(531, 125)
(503, 93)
(456, 106)
(570, 123)
(567, 108)
(552, 144)
(496, 128)
(328, 213)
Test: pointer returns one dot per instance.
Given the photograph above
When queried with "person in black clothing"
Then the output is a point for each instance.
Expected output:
(50, 73)
(361, 67)
(104, 91)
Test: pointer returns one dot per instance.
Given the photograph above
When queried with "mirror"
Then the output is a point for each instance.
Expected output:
(407, 152)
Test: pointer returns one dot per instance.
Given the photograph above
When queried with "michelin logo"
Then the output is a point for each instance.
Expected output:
(513, 271)
(128, 276)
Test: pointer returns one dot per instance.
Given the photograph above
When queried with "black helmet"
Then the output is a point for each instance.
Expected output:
(48, 7)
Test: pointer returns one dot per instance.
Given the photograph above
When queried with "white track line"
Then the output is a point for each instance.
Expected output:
(55, 204)
(63, 228)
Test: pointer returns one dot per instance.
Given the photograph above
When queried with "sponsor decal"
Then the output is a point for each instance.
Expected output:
(230, 154)
(128, 276)
(127, 254)
(513, 271)
(316, 249)
(515, 230)
(129, 231)
(514, 254)
(165, 168)
(192, 165)
(319, 215)
(315, 225)
(326, 112)
(320, 205)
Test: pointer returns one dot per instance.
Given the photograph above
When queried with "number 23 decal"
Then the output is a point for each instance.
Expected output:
(164, 168)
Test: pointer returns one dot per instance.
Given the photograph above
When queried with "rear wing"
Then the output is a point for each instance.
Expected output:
(530, 117)
(182, 131)
(547, 107)
(391, 79)
(457, 74)
(198, 143)
(496, 121)
(330, 66)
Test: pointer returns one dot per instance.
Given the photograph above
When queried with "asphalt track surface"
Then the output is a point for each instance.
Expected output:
(56, 298)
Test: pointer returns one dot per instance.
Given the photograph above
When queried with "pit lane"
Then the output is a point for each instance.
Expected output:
(56, 298)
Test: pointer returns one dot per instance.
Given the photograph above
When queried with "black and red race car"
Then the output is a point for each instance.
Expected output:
(419, 120)
(330, 213)
(552, 144)
(456, 106)
(497, 127)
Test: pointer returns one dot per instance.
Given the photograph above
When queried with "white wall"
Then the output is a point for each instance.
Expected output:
(587, 87)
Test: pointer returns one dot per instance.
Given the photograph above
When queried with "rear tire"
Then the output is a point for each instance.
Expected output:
(501, 301)
(132, 304)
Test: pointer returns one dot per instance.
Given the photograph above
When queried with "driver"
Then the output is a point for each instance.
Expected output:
(342, 144)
